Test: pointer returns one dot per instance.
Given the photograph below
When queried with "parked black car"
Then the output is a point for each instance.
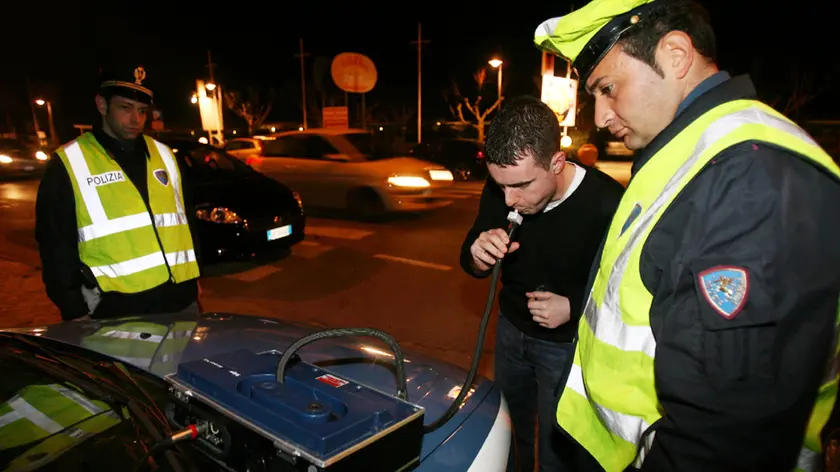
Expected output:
(240, 213)
(464, 157)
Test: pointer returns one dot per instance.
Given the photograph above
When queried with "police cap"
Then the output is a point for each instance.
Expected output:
(126, 82)
(586, 35)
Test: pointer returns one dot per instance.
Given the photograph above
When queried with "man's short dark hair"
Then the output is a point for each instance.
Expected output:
(665, 16)
(524, 125)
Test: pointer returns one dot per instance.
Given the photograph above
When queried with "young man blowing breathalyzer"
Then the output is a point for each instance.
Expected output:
(565, 211)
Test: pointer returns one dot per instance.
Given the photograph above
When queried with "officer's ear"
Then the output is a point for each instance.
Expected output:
(676, 54)
(102, 105)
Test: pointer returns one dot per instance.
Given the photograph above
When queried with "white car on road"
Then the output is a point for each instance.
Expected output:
(338, 169)
(244, 148)
(617, 163)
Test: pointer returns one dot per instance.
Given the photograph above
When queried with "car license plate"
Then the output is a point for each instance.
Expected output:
(281, 232)
(28, 168)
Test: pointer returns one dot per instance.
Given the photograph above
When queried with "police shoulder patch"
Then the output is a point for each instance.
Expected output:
(725, 288)
(162, 177)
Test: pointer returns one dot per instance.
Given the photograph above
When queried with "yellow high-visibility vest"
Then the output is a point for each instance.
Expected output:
(129, 247)
(152, 346)
(53, 418)
(610, 399)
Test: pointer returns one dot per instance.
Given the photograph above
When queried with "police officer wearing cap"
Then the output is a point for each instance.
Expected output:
(707, 340)
(112, 222)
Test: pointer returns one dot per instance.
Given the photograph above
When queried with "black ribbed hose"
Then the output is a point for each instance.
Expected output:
(479, 344)
(402, 389)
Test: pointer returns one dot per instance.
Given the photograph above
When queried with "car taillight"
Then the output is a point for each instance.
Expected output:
(480, 155)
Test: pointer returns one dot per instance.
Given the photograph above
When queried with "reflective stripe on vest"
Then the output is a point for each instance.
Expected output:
(117, 237)
(610, 400)
(54, 446)
(169, 355)
(142, 343)
(52, 417)
(809, 461)
(42, 410)
(810, 458)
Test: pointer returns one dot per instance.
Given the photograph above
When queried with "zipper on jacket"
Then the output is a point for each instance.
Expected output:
(160, 243)
(145, 202)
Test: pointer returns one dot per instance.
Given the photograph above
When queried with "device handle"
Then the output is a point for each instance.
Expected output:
(402, 389)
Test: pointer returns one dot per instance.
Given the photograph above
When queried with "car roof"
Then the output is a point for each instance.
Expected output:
(241, 139)
(187, 144)
(11, 143)
(320, 132)
(182, 142)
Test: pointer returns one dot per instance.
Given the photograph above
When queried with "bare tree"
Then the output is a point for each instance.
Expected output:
(804, 90)
(390, 114)
(458, 102)
(804, 83)
(4, 99)
(315, 102)
(314, 111)
(250, 107)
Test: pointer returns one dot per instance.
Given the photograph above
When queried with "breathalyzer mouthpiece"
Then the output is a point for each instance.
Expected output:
(514, 217)
(515, 220)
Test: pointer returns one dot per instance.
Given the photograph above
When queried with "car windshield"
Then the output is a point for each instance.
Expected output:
(54, 398)
(361, 141)
(208, 159)
(374, 147)
(14, 146)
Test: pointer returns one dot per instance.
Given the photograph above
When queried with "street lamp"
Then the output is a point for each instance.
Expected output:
(566, 141)
(41, 102)
(497, 63)
(208, 97)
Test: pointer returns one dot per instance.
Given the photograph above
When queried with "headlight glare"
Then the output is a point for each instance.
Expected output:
(219, 215)
(408, 181)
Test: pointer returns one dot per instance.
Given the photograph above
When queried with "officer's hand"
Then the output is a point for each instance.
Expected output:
(489, 247)
(82, 318)
(549, 310)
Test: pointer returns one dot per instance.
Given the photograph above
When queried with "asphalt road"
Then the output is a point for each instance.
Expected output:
(401, 276)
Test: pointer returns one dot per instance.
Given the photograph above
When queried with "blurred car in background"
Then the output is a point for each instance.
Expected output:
(244, 149)
(616, 161)
(342, 169)
(240, 213)
(19, 159)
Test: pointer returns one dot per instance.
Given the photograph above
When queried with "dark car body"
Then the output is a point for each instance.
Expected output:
(221, 187)
(110, 437)
(475, 439)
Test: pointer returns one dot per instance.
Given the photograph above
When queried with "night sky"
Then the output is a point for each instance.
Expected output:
(59, 48)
